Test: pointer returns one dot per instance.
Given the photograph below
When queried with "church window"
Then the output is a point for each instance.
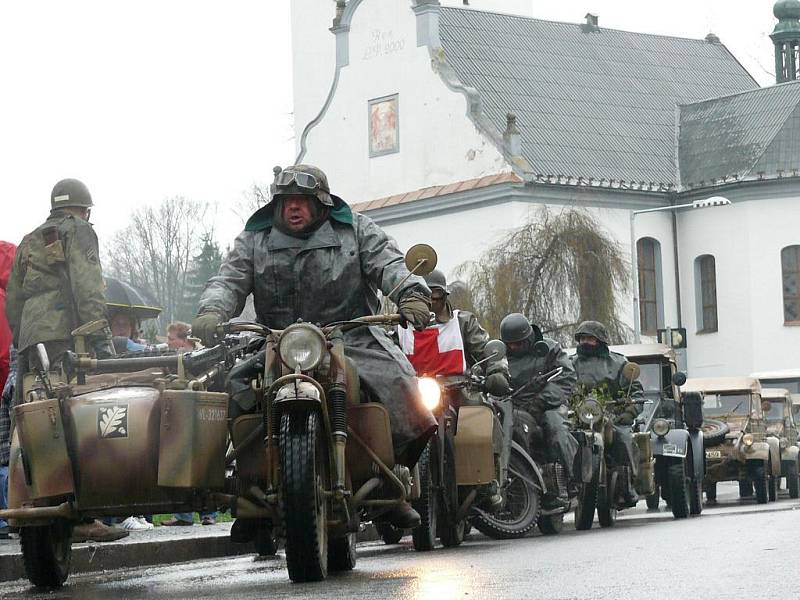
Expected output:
(648, 253)
(790, 268)
(706, 293)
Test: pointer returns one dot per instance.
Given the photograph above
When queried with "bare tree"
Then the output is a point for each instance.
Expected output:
(558, 269)
(253, 198)
(155, 250)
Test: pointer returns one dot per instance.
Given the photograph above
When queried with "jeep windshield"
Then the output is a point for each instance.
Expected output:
(775, 412)
(720, 405)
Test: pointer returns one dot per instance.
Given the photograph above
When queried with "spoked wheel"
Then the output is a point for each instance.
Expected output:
(342, 553)
(304, 468)
(424, 536)
(389, 533)
(678, 489)
(606, 508)
(587, 498)
(521, 503)
(551, 524)
(46, 553)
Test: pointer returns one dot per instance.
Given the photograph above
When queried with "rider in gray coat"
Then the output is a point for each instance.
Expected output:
(306, 255)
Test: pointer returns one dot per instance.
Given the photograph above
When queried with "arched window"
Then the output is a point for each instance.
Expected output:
(790, 268)
(705, 278)
(648, 253)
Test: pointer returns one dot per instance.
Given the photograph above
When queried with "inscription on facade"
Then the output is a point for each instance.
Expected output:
(382, 43)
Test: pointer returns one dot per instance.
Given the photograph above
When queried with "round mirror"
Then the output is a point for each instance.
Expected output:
(679, 378)
(421, 259)
(496, 349)
(541, 349)
(631, 371)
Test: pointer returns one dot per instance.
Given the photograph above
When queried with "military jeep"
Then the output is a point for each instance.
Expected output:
(744, 451)
(777, 405)
(675, 429)
(787, 379)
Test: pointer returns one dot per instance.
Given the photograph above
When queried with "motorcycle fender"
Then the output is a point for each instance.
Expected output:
(774, 456)
(297, 394)
(790, 454)
(473, 446)
(698, 455)
(674, 445)
(758, 451)
(539, 479)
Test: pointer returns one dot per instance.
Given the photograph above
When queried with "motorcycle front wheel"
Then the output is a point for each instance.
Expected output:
(427, 505)
(521, 503)
(587, 498)
(304, 466)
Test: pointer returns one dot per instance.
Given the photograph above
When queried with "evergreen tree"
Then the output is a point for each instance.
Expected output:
(202, 268)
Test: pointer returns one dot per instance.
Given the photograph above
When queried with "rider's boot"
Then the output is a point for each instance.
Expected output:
(402, 516)
(629, 495)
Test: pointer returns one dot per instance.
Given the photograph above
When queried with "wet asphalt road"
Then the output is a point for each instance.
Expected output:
(737, 546)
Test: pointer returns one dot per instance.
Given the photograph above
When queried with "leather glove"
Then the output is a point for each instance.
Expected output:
(415, 309)
(205, 327)
(497, 384)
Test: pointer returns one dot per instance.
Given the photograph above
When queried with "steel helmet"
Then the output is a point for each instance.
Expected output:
(593, 328)
(70, 193)
(515, 328)
(436, 279)
(302, 179)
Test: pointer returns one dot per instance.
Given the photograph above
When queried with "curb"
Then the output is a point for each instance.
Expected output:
(145, 552)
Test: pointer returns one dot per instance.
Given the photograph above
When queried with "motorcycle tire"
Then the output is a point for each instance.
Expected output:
(678, 489)
(587, 498)
(450, 531)
(551, 524)
(606, 508)
(793, 480)
(521, 503)
(424, 536)
(714, 432)
(758, 473)
(342, 553)
(47, 553)
(389, 533)
(304, 465)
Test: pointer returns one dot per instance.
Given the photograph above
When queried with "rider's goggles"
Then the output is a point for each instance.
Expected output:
(304, 181)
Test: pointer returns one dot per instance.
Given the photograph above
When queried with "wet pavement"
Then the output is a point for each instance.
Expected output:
(736, 546)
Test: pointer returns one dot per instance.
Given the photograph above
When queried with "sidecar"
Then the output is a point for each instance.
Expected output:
(119, 444)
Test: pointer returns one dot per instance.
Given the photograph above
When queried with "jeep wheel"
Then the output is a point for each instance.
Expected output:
(773, 487)
(678, 489)
(758, 473)
(696, 497)
(745, 488)
(714, 432)
(793, 480)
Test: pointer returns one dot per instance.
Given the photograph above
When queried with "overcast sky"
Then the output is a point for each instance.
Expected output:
(149, 99)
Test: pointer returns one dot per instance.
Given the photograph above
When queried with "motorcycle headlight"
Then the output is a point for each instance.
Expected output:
(589, 411)
(430, 392)
(661, 427)
(747, 439)
(784, 442)
(301, 347)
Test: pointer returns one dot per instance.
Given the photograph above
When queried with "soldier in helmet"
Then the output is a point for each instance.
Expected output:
(306, 255)
(546, 406)
(56, 286)
(598, 367)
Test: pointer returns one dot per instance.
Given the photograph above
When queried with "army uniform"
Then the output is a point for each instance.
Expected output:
(601, 367)
(330, 273)
(56, 283)
(548, 406)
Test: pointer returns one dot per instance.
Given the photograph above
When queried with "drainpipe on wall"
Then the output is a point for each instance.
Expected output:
(673, 201)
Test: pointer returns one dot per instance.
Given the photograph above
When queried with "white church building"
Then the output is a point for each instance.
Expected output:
(450, 122)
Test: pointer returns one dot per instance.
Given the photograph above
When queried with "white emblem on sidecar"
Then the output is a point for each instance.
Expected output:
(112, 422)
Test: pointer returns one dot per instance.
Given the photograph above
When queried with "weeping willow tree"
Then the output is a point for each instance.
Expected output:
(558, 269)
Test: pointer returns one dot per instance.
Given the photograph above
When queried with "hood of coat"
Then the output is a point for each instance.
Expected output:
(264, 217)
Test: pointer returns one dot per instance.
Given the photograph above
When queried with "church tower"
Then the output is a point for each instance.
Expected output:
(786, 37)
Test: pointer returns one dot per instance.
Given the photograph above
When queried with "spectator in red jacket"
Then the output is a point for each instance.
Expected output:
(7, 252)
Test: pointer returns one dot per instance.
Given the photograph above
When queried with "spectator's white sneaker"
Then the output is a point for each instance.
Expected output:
(133, 524)
(145, 522)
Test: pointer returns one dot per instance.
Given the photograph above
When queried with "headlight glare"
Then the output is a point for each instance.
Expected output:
(302, 346)
(589, 412)
(747, 439)
(661, 427)
(429, 391)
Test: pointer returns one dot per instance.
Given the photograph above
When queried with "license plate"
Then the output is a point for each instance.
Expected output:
(713, 453)
(670, 449)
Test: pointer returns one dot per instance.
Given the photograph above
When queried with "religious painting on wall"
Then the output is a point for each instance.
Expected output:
(384, 130)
